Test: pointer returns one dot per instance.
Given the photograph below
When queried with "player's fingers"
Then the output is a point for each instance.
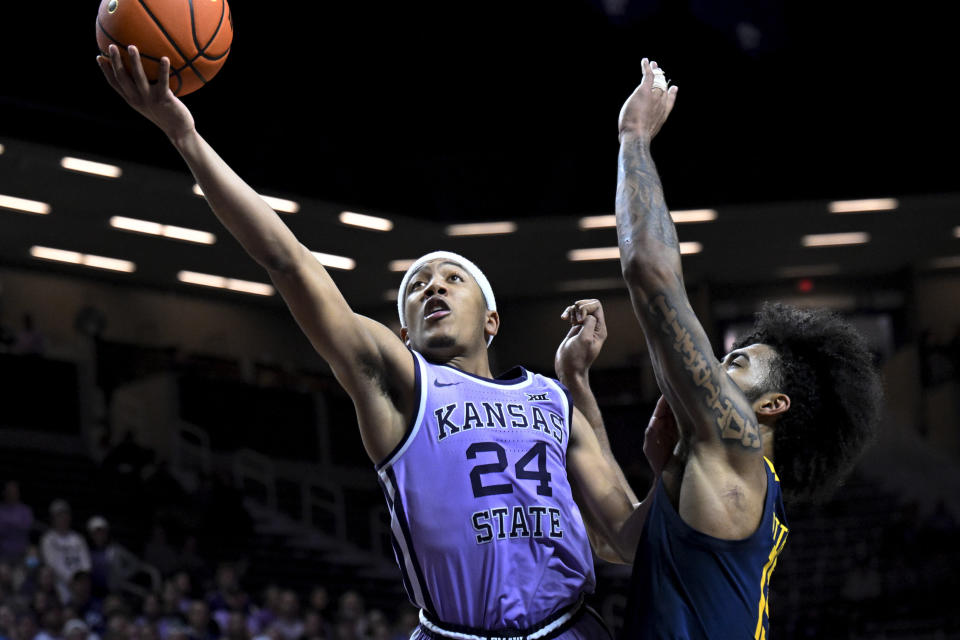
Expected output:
(136, 71)
(163, 77)
(123, 78)
(566, 313)
(586, 307)
(588, 304)
(108, 72)
(589, 324)
(671, 98)
(647, 80)
(594, 307)
(601, 324)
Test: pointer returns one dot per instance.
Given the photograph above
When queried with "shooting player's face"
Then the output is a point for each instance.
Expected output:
(445, 310)
(751, 368)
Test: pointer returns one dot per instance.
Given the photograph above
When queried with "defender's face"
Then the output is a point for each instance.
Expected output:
(750, 368)
(444, 308)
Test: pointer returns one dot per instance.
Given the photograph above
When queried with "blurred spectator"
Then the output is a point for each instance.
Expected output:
(115, 605)
(26, 626)
(76, 629)
(8, 622)
(269, 634)
(236, 601)
(314, 627)
(317, 618)
(289, 623)
(185, 588)
(346, 629)
(6, 582)
(236, 627)
(192, 561)
(319, 600)
(106, 564)
(118, 627)
(84, 605)
(407, 621)
(63, 549)
(261, 619)
(150, 611)
(171, 616)
(178, 632)
(29, 341)
(16, 520)
(202, 626)
(378, 625)
(350, 613)
(41, 580)
(159, 553)
(51, 624)
(225, 582)
(148, 632)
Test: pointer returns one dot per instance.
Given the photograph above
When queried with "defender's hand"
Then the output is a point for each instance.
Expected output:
(583, 342)
(153, 101)
(660, 437)
(647, 108)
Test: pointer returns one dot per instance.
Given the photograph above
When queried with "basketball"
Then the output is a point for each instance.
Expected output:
(194, 34)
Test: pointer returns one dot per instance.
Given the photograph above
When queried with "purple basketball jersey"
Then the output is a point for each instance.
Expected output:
(484, 525)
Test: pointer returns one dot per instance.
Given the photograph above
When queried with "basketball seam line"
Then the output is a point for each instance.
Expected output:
(172, 42)
(176, 72)
(199, 55)
(203, 51)
(193, 26)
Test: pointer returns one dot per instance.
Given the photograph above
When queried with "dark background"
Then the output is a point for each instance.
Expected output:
(468, 110)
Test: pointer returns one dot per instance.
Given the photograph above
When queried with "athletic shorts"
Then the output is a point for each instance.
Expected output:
(577, 622)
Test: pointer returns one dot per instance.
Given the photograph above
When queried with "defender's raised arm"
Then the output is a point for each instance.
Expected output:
(709, 407)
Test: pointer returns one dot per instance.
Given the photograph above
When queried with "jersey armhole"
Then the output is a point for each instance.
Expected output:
(420, 393)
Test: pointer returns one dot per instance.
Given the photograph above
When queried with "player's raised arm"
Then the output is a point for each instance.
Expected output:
(595, 474)
(710, 409)
(576, 353)
(370, 362)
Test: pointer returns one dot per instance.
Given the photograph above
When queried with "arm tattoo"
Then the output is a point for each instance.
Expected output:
(730, 422)
(641, 209)
(642, 216)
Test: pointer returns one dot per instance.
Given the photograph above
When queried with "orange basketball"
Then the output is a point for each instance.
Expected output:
(195, 35)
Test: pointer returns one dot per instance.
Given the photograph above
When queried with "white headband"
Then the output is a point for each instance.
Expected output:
(468, 266)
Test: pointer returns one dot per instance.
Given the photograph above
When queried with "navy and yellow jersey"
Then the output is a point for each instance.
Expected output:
(687, 584)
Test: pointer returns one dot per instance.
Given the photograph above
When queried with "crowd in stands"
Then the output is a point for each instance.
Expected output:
(61, 585)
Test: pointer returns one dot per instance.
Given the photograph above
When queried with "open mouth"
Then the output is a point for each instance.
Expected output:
(435, 308)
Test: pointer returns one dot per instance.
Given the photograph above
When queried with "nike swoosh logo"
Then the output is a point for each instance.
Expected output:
(437, 383)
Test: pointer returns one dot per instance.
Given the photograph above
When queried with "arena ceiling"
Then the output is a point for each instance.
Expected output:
(432, 114)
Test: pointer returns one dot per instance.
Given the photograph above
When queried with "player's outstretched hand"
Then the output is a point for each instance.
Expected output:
(583, 342)
(648, 106)
(660, 437)
(154, 101)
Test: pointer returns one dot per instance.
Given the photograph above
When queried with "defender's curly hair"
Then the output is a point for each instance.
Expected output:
(826, 368)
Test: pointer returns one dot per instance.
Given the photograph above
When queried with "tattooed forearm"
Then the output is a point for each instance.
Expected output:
(731, 424)
(642, 213)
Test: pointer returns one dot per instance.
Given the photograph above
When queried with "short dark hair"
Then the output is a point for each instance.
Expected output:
(827, 369)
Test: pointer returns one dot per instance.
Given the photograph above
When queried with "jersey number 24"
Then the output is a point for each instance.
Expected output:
(538, 451)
